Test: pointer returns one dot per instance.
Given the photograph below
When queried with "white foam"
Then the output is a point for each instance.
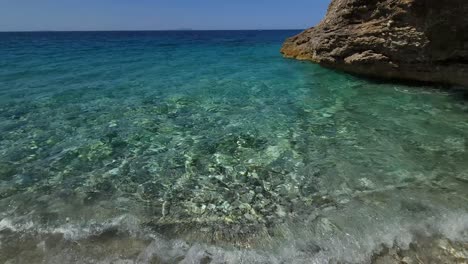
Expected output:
(352, 234)
(70, 231)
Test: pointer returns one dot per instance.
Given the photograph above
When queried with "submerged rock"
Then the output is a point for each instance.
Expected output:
(422, 40)
(6, 171)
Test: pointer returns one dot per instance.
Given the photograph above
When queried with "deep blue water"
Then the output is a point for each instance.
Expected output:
(208, 145)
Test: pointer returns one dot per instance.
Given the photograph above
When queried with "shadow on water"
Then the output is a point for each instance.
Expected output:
(455, 91)
(463, 91)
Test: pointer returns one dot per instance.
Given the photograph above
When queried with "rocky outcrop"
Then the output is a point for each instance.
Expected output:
(422, 40)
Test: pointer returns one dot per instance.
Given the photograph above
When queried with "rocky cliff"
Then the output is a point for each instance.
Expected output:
(423, 40)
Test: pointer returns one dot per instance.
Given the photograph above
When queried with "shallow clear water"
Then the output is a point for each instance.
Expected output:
(159, 147)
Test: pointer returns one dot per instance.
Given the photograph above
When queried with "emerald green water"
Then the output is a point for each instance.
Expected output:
(209, 146)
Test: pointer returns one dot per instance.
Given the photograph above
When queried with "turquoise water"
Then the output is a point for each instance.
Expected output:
(209, 147)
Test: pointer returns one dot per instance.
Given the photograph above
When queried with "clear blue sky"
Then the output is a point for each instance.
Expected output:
(25, 15)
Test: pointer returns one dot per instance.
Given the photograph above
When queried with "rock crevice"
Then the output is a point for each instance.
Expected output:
(422, 40)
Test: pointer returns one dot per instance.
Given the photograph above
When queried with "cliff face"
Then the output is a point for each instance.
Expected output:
(423, 40)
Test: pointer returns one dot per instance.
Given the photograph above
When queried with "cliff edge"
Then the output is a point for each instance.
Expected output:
(422, 40)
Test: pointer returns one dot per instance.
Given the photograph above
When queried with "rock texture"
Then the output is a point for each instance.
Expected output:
(423, 40)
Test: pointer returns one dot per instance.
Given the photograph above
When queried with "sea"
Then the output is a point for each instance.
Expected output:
(210, 147)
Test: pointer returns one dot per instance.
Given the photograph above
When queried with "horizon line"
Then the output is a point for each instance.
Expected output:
(144, 30)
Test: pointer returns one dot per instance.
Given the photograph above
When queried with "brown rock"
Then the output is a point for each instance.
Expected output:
(422, 40)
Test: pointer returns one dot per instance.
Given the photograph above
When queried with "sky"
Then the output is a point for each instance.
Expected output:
(65, 15)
